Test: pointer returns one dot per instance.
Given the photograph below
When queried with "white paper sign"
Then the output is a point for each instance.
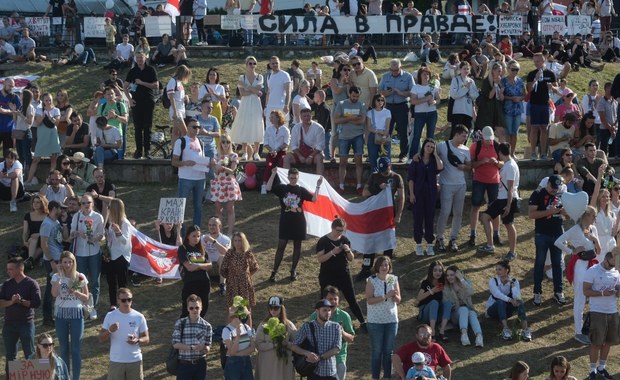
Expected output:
(230, 22)
(171, 210)
(552, 24)
(94, 27)
(39, 26)
(511, 25)
(578, 24)
(248, 22)
(155, 26)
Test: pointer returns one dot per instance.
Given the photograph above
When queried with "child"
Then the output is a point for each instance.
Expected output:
(419, 369)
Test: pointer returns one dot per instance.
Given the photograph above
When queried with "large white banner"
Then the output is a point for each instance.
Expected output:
(94, 27)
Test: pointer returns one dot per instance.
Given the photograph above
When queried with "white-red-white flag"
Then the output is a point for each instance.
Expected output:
(20, 81)
(152, 258)
(172, 8)
(370, 224)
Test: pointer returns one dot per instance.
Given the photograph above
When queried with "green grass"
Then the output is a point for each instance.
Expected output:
(257, 216)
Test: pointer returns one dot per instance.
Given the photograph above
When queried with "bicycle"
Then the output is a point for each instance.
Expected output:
(161, 145)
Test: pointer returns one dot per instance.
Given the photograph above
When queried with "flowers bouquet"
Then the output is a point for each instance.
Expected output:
(79, 282)
(277, 332)
(89, 229)
(240, 307)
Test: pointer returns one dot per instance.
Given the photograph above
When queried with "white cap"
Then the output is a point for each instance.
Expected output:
(487, 133)
(418, 357)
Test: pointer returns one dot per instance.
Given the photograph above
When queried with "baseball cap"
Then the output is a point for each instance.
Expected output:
(323, 303)
(383, 163)
(555, 181)
(79, 156)
(418, 358)
(487, 133)
(275, 301)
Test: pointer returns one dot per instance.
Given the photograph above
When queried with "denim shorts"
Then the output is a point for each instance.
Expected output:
(345, 144)
(512, 124)
(479, 188)
(539, 114)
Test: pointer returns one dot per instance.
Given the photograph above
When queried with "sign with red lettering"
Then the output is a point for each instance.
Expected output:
(36, 369)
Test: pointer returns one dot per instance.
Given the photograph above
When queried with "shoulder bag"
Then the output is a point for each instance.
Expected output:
(380, 139)
(172, 361)
(303, 367)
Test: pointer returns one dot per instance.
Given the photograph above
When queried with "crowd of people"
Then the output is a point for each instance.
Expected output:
(76, 224)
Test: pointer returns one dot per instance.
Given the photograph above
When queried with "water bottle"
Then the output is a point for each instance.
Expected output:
(611, 140)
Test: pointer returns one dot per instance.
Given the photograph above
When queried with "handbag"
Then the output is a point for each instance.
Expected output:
(172, 361)
(48, 122)
(304, 149)
(587, 255)
(380, 139)
(18, 134)
(88, 306)
(303, 367)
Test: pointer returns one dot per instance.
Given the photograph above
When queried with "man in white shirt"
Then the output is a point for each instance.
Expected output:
(127, 330)
(11, 179)
(216, 245)
(6, 50)
(124, 51)
(188, 155)
(56, 189)
(601, 285)
(279, 88)
(307, 143)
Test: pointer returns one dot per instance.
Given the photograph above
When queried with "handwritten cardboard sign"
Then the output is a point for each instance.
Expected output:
(171, 210)
(36, 369)
(94, 27)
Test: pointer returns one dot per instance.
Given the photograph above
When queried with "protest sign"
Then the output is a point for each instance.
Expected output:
(171, 210)
(36, 369)
(94, 27)
(511, 25)
(38, 26)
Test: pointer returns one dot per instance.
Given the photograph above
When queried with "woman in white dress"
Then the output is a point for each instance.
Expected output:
(248, 127)
(301, 101)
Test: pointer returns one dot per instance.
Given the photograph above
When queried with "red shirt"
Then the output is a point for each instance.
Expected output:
(489, 172)
(434, 354)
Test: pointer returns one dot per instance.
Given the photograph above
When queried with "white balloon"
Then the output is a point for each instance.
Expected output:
(79, 48)
(575, 204)
(132, 3)
(109, 4)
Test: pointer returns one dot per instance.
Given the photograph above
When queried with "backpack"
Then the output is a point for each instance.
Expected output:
(165, 100)
(174, 168)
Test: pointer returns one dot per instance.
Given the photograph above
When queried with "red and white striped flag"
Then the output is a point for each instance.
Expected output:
(370, 224)
(152, 258)
(172, 8)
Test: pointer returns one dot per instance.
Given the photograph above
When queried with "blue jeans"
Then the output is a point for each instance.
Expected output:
(238, 368)
(399, 120)
(104, 155)
(512, 124)
(466, 317)
(75, 329)
(197, 188)
(24, 147)
(198, 371)
(422, 118)
(90, 266)
(543, 244)
(503, 310)
(434, 311)
(47, 295)
(14, 332)
(210, 152)
(326, 150)
(373, 152)
(382, 337)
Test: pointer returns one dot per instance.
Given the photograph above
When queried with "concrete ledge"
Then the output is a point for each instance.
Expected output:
(161, 171)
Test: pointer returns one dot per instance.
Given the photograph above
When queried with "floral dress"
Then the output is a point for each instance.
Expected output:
(238, 268)
(224, 187)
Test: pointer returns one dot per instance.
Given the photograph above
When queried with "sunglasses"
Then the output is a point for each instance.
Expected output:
(192, 308)
(381, 100)
(252, 63)
(126, 300)
(46, 345)
(515, 70)
(85, 203)
(66, 163)
(347, 70)
(225, 142)
(196, 126)
(616, 188)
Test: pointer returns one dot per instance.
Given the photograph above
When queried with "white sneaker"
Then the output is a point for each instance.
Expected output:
(506, 334)
(419, 250)
(479, 341)
(93, 315)
(263, 189)
(34, 181)
(13, 206)
(244, 157)
(429, 250)
(526, 335)
(256, 157)
(549, 273)
(465, 340)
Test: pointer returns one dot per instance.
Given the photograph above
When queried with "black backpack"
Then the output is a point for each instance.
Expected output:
(479, 148)
(165, 100)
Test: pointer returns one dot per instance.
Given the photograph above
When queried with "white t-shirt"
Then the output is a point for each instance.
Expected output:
(247, 333)
(124, 51)
(8, 48)
(6, 182)
(451, 175)
(379, 118)
(509, 172)
(596, 29)
(130, 323)
(278, 85)
(211, 248)
(314, 74)
(67, 305)
(419, 91)
(193, 151)
(80, 223)
(54, 112)
(602, 279)
(108, 135)
(543, 184)
(588, 105)
(604, 7)
(175, 87)
(217, 88)
(58, 196)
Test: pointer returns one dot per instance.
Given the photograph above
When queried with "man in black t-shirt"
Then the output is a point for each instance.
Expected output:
(102, 192)
(78, 139)
(376, 183)
(540, 83)
(140, 86)
(545, 207)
